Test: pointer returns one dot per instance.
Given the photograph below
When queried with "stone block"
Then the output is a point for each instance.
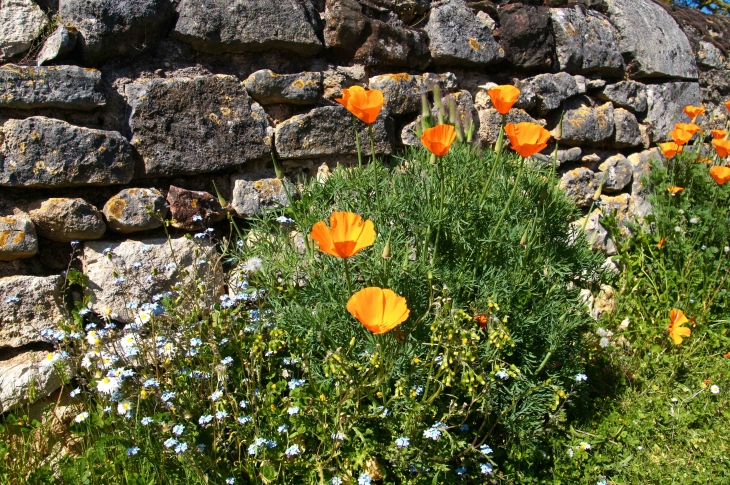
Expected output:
(65, 87)
(252, 193)
(627, 133)
(29, 304)
(630, 95)
(22, 21)
(193, 210)
(23, 371)
(58, 45)
(267, 87)
(527, 37)
(18, 239)
(128, 212)
(584, 124)
(66, 220)
(665, 104)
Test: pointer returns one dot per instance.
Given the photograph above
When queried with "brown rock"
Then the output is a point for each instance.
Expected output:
(17, 237)
(66, 220)
(193, 210)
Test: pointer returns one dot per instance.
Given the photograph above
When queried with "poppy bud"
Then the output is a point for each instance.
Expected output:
(221, 200)
(559, 130)
(426, 121)
(523, 241)
(597, 194)
(386, 249)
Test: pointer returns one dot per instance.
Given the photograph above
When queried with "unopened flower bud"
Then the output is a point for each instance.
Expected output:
(386, 250)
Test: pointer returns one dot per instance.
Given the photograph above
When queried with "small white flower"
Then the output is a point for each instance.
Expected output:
(108, 385)
(585, 446)
(124, 407)
(81, 417)
(293, 410)
(715, 389)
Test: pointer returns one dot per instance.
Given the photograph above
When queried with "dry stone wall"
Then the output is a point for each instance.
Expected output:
(111, 107)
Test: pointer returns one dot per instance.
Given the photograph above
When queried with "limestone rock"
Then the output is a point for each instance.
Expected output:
(197, 124)
(457, 37)
(267, 87)
(66, 220)
(193, 210)
(252, 193)
(402, 92)
(580, 185)
(653, 41)
(666, 102)
(570, 155)
(584, 124)
(22, 21)
(630, 95)
(627, 133)
(22, 371)
(616, 173)
(66, 87)
(109, 28)
(246, 25)
(408, 136)
(58, 45)
(710, 56)
(586, 42)
(127, 211)
(526, 35)
(595, 233)
(29, 305)
(17, 237)
(620, 206)
(115, 277)
(44, 152)
(328, 131)
(346, 27)
(391, 45)
(490, 121)
(553, 89)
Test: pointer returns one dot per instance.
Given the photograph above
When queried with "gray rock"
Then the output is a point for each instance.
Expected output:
(584, 124)
(115, 279)
(128, 212)
(569, 155)
(580, 81)
(627, 133)
(457, 37)
(616, 173)
(595, 84)
(109, 28)
(246, 25)
(408, 135)
(66, 220)
(552, 90)
(639, 205)
(267, 87)
(252, 193)
(30, 304)
(652, 40)
(67, 87)
(43, 152)
(23, 371)
(665, 104)
(630, 95)
(490, 120)
(22, 21)
(58, 45)
(197, 124)
(709, 56)
(402, 92)
(18, 238)
(392, 45)
(193, 210)
(620, 207)
(595, 233)
(580, 185)
(328, 131)
(586, 42)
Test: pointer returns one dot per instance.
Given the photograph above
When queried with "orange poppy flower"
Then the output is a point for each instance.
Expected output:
(365, 104)
(527, 138)
(669, 149)
(347, 235)
(720, 174)
(722, 147)
(379, 310)
(683, 132)
(693, 111)
(661, 243)
(674, 190)
(504, 97)
(676, 330)
(727, 105)
(718, 134)
(438, 139)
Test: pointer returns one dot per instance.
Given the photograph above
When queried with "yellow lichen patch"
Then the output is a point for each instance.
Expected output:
(401, 76)
(19, 237)
(102, 149)
(35, 135)
(214, 118)
(4, 236)
(255, 115)
(116, 207)
(21, 147)
(194, 203)
(475, 45)
(225, 111)
(298, 84)
(39, 166)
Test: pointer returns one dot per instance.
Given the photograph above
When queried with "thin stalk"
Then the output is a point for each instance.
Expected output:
(511, 196)
(347, 275)
(497, 158)
(375, 166)
(440, 168)
(357, 142)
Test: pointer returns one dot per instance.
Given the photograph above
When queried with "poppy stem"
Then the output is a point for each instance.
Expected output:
(497, 158)
(357, 142)
(372, 154)
(347, 276)
(440, 168)
(511, 196)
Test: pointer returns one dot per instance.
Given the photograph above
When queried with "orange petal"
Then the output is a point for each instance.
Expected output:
(722, 147)
(527, 138)
(347, 235)
(321, 233)
(438, 139)
(366, 105)
(720, 174)
(718, 134)
(677, 317)
(670, 149)
(379, 310)
(504, 97)
(693, 111)
(674, 190)
(727, 105)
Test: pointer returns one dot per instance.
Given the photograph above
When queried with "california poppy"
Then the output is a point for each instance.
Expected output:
(661, 243)
(504, 97)
(683, 132)
(347, 235)
(674, 190)
(438, 139)
(722, 147)
(379, 310)
(676, 330)
(720, 174)
(669, 149)
(727, 105)
(365, 104)
(694, 111)
(718, 134)
(527, 138)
